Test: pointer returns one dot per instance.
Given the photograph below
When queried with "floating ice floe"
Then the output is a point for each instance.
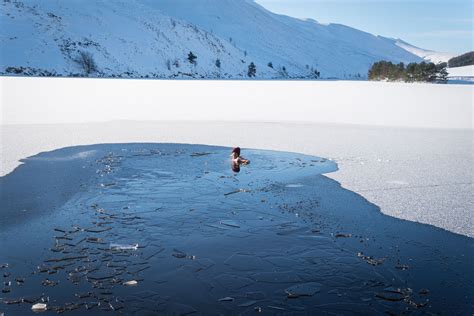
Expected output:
(39, 307)
(278, 308)
(48, 282)
(124, 246)
(294, 185)
(230, 223)
(131, 283)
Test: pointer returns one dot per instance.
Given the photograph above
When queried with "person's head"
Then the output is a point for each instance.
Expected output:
(236, 151)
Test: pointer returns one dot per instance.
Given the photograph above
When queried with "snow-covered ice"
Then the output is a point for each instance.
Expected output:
(465, 73)
(346, 102)
(415, 174)
(420, 174)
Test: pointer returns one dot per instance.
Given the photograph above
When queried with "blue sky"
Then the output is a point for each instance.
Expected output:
(441, 25)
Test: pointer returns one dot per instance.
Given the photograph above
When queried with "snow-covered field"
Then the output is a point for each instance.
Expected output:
(420, 169)
(55, 100)
(465, 73)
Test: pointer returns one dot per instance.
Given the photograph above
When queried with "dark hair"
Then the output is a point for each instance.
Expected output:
(236, 150)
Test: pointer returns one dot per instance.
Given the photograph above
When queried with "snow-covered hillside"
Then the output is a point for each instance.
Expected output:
(125, 39)
(152, 39)
(427, 55)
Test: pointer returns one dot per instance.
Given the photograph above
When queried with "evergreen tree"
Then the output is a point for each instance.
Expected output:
(401, 73)
(252, 71)
(442, 73)
(317, 74)
(431, 72)
(270, 64)
(413, 72)
(218, 63)
(462, 60)
(192, 58)
(283, 72)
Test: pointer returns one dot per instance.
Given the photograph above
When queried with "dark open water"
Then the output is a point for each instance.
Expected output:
(276, 238)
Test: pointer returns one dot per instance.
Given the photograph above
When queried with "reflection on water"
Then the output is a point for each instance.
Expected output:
(169, 229)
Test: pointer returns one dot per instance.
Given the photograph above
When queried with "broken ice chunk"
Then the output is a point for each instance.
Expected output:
(343, 235)
(230, 223)
(124, 246)
(39, 307)
(294, 185)
(131, 283)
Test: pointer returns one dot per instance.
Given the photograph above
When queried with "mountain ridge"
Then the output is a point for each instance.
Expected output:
(427, 55)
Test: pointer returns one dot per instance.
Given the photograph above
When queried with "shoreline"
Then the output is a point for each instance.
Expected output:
(455, 80)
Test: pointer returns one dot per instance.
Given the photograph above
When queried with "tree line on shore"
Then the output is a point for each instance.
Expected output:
(466, 59)
(413, 72)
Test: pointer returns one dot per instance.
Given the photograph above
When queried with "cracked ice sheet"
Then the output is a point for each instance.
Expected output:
(186, 266)
(422, 175)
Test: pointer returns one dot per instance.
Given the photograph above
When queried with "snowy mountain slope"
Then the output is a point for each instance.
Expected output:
(427, 55)
(335, 50)
(147, 38)
(125, 39)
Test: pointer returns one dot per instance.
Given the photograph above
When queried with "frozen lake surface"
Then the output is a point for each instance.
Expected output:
(421, 175)
(417, 164)
(162, 228)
